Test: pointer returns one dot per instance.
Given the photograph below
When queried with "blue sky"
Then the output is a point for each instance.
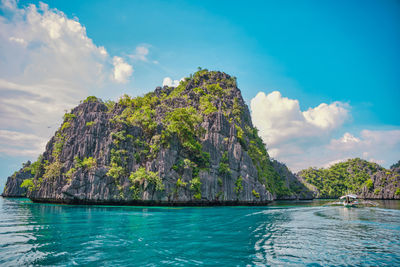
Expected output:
(311, 50)
(342, 53)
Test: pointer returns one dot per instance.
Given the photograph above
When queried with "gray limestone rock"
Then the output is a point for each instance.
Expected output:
(121, 144)
(386, 185)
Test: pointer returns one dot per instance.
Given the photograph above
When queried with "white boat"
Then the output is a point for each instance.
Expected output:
(350, 200)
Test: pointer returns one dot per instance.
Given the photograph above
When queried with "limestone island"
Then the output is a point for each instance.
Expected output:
(193, 144)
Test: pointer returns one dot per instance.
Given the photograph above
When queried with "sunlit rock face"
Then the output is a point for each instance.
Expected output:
(193, 144)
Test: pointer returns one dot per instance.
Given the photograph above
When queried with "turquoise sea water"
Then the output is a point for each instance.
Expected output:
(305, 233)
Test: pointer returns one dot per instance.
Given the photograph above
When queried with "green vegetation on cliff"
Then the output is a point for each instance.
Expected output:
(141, 179)
(266, 172)
(176, 140)
(199, 95)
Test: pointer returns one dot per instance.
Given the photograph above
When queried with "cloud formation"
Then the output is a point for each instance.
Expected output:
(280, 119)
(141, 53)
(48, 63)
(382, 147)
(122, 70)
(167, 81)
(16, 143)
(305, 138)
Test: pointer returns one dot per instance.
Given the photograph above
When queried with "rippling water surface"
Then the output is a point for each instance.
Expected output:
(306, 233)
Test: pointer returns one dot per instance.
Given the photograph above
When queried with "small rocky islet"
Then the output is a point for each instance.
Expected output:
(193, 144)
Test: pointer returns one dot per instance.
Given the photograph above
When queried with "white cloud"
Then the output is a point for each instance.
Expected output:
(347, 142)
(382, 147)
(304, 138)
(280, 119)
(368, 140)
(327, 117)
(48, 63)
(16, 143)
(141, 53)
(17, 40)
(54, 47)
(167, 81)
(122, 70)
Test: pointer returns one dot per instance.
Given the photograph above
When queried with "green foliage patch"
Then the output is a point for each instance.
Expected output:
(87, 163)
(91, 99)
(58, 145)
(116, 171)
(255, 193)
(370, 184)
(138, 177)
(69, 116)
(397, 192)
(223, 168)
(206, 105)
(28, 184)
(238, 186)
(53, 170)
(180, 183)
(184, 122)
(65, 125)
(195, 186)
(35, 167)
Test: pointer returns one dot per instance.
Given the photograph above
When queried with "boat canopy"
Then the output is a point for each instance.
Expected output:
(350, 196)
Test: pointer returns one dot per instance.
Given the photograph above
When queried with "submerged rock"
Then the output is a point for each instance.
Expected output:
(190, 145)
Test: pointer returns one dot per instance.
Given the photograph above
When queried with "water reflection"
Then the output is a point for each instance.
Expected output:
(389, 204)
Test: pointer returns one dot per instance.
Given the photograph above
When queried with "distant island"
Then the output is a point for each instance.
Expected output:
(366, 179)
(193, 144)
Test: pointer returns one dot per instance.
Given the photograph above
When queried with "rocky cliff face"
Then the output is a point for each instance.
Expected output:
(13, 185)
(193, 144)
(385, 184)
